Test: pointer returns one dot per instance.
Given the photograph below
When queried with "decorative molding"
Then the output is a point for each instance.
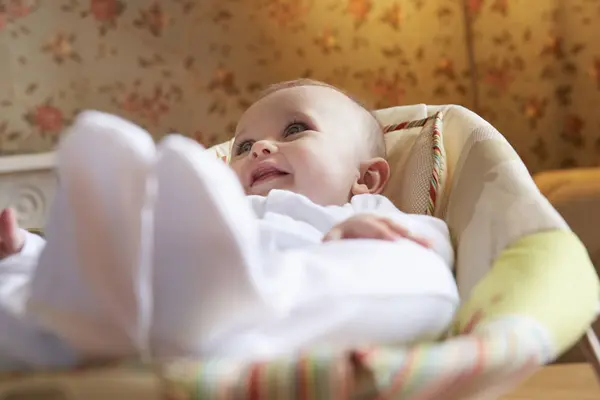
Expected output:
(28, 184)
(27, 162)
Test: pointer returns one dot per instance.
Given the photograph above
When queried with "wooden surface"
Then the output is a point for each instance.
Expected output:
(560, 382)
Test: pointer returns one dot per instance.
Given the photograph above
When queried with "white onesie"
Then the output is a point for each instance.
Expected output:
(201, 270)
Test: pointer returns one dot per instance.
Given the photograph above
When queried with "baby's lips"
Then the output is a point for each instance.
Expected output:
(265, 168)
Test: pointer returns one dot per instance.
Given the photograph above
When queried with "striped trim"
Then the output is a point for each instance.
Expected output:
(458, 368)
(437, 153)
(461, 365)
(406, 125)
(438, 161)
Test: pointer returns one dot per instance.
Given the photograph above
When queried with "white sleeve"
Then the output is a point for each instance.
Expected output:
(16, 272)
(26, 259)
(433, 229)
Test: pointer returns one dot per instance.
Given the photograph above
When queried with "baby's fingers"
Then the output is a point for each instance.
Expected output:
(10, 236)
(334, 234)
(404, 232)
(374, 229)
(399, 230)
(361, 229)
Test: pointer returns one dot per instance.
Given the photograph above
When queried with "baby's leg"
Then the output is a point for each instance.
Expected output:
(206, 251)
(353, 293)
(23, 346)
(91, 285)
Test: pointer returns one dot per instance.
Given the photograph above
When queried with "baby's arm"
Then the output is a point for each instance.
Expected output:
(27, 257)
(19, 249)
(17, 269)
(433, 230)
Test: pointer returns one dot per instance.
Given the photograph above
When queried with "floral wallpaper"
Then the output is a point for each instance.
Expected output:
(192, 66)
(538, 77)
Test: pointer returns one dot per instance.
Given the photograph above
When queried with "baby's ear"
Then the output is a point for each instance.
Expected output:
(374, 175)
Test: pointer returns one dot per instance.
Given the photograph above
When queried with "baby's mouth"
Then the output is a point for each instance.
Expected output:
(265, 173)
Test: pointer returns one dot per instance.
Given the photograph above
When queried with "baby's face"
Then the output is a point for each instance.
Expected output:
(305, 139)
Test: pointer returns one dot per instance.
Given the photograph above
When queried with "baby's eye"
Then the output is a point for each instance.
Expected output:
(295, 127)
(243, 147)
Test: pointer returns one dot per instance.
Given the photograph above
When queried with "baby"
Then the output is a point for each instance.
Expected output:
(163, 251)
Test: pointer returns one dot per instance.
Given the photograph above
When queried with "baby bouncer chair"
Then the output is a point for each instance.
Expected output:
(528, 288)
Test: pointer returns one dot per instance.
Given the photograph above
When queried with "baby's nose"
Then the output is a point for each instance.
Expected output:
(263, 148)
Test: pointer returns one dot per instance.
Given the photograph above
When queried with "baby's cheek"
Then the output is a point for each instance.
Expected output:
(312, 163)
(237, 167)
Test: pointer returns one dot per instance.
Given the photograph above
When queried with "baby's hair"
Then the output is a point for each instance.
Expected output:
(374, 129)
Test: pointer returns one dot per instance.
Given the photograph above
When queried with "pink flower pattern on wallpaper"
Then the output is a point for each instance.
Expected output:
(539, 83)
(13, 10)
(328, 41)
(359, 10)
(61, 47)
(393, 16)
(46, 118)
(288, 13)
(193, 66)
(105, 10)
(106, 13)
(153, 18)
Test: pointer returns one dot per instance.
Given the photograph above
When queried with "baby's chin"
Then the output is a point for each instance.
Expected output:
(263, 191)
(264, 188)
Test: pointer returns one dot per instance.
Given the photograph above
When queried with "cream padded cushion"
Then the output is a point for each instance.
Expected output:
(417, 159)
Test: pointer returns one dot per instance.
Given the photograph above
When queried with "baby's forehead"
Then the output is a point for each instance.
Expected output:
(298, 99)
(313, 94)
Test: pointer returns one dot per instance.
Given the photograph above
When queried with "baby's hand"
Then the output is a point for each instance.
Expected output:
(367, 226)
(11, 237)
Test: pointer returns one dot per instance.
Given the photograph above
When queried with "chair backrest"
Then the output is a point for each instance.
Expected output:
(487, 197)
(489, 200)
